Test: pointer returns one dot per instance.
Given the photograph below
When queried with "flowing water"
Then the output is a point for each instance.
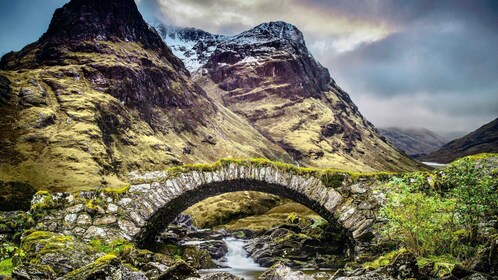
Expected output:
(240, 264)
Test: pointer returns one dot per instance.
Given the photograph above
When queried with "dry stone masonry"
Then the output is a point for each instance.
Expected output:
(143, 210)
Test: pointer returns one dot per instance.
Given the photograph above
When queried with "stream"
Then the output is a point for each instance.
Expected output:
(241, 265)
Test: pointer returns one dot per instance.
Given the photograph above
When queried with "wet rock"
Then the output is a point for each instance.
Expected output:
(217, 249)
(179, 271)
(221, 276)
(295, 248)
(282, 272)
(197, 258)
(185, 221)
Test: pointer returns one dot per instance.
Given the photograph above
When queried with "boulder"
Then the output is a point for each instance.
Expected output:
(221, 276)
(404, 266)
(282, 272)
(33, 272)
(217, 249)
(179, 271)
(106, 267)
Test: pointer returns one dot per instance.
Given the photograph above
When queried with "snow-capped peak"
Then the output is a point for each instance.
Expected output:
(194, 46)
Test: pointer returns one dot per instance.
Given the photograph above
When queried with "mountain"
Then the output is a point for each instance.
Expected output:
(415, 142)
(482, 140)
(268, 76)
(99, 95)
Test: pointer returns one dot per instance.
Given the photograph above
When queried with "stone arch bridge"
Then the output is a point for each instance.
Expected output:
(141, 211)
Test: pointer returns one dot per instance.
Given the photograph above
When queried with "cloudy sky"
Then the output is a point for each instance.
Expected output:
(423, 63)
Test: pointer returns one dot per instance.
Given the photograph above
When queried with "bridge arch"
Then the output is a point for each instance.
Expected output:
(139, 213)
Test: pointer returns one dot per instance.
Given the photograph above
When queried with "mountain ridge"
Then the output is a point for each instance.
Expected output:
(415, 142)
(268, 76)
(482, 140)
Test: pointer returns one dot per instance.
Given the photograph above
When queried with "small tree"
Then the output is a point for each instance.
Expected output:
(475, 191)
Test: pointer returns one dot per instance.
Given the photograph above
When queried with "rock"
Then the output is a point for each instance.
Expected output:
(179, 271)
(185, 221)
(197, 258)
(107, 220)
(321, 275)
(479, 276)
(221, 276)
(282, 272)
(404, 266)
(112, 208)
(487, 260)
(61, 253)
(217, 249)
(95, 232)
(106, 267)
(84, 220)
(145, 259)
(460, 272)
(33, 272)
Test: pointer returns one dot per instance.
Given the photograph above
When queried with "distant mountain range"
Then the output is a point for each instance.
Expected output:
(482, 140)
(415, 142)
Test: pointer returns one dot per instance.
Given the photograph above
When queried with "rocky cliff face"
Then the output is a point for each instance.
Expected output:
(100, 94)
(482, 140)
(268, 76)
(416, 142)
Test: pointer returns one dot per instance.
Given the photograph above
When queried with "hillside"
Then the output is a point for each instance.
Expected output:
(482, 140)
(268, 76)
(414, 142)
(99, 95)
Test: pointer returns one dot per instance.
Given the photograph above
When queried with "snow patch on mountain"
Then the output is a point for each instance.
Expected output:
(194, 46)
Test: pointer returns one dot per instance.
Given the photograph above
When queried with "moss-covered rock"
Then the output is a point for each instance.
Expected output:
(105, 267)
(197, 258)
(180, 270)
(58, 252)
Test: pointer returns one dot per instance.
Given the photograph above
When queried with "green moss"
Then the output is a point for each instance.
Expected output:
(383, 260)
(117, 191)
(6, 267)
(441, 265)
(46, 202)
(41, 192)
(106, 259)
(115, 246)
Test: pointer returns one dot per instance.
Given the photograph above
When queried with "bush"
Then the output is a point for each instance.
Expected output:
(474, 189)
(418, 221)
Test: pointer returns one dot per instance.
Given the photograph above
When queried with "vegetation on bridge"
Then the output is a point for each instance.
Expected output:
(329, 177)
